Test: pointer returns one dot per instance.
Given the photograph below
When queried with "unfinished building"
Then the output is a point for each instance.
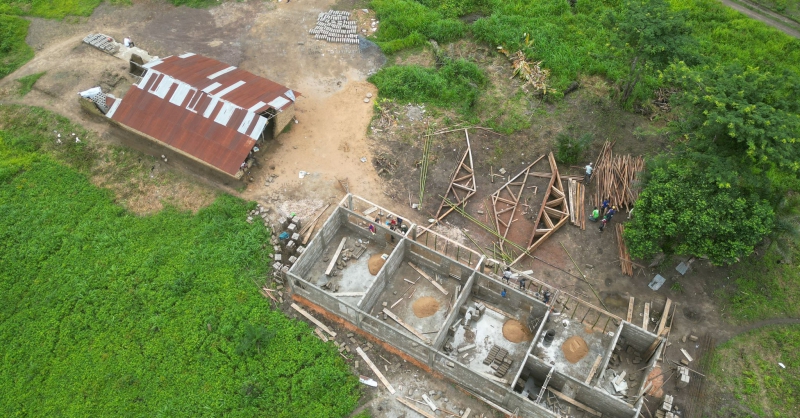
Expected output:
(533, 351)
(201, 110)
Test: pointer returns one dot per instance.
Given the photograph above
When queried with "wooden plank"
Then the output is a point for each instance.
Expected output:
(321, 336)
(406, 326)
(555, 212)
(375, 369)
(686, 354)
(630, 309)
(646, 319)
(574, 402)
(430, 403)
(335, 257)
(425, 275)
(415, 408)
(554, 202)
(594, 369)
(664, 316)
(466, 413)
(557, 192)
(370, 210)
(314, 320)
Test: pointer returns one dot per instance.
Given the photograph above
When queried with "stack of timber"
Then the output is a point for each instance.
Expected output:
(617, 177)
(624, 256)
(577, 212)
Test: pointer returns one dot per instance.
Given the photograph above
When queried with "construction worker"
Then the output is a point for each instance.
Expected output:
(507, 274)
(589, 170)
(595, 215)
(522, 284)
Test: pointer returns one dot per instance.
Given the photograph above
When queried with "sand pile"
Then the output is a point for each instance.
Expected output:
(516, 332)
(574, 349)
(425, 307)
(375, 263)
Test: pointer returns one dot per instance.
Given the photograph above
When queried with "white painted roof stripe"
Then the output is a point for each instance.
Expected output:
(248, 118)
(256, 106)
(113, 109)
(278, 102)
(180, 94)
(192, 104)
(229, 89)
(221, 72)
(290, 94)
(186, 55)
(146, 78)
(152, 64)
(211, 88)
(224, 115)
(211, 106)
(164, 86)
(262, 121)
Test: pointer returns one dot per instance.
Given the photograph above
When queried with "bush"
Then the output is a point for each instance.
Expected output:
(570, 149)
(457, 84)
(14, 52)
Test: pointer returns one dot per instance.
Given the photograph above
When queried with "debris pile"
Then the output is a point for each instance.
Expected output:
(335, 26)
(531, 72)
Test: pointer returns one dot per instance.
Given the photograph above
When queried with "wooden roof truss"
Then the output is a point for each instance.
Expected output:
(506, 200)
(462, 184)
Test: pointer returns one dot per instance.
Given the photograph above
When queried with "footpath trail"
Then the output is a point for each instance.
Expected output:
(756, 325)
(767, 16)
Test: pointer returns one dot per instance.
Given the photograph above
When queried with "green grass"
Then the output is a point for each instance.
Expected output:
(26, 83)
(51, 9)
(13, 50)
(761, 288)
(746, 367)
(788, 8)
(104, 313)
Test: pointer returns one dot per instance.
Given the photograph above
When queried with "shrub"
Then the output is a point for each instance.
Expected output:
(570, 149)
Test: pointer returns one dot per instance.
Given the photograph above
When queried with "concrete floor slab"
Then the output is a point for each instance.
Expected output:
(597, 343)
(355, 277)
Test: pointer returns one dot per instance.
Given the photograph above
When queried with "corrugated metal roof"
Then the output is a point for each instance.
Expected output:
(175, 103)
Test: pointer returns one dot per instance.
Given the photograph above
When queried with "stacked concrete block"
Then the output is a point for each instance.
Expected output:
(292, 260)
(292, 228)
(291, 247)
(667, 405)
(683, 377)
(335, 26)
(300, 250)
(295, 237)
(296, 221)
(283, 222)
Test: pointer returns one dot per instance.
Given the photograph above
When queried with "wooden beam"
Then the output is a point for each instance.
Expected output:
(557, 192)
(541, 209)
(594, 369)
(574, 402)
(406, 326)
(646, 318)
(664, 316)
(425, 275)
(335, 257)
(415, 408)
(554, 202)
(555, 212)
(375, 369)
(630, 309)
(314, 320)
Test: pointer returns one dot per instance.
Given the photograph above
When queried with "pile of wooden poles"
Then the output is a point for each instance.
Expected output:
(617, 177)
(577, 212)
(624, 256)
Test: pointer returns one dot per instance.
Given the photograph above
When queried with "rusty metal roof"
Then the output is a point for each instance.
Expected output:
(202, 107)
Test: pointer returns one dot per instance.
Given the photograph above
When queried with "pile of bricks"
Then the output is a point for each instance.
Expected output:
(102, 42)
(666, 408)
(336, 26)
(498, 361)
(286, 251)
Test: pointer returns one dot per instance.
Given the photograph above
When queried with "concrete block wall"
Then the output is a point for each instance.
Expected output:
(353, 219)
(528, 355)
(384, 275)
(389, 331)
(455, 313)
(601, 371)
(282, 119)
(637, 337)
(424, 257)
(650, 366)
(601, 401)
(316, 246)
(489, 290)
(494, 391)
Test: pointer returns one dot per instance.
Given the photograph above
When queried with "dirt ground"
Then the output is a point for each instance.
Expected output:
(335, 130)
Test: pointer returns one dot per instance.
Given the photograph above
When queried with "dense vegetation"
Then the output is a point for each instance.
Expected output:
(13, 50)
(747, 367)
(106, 313)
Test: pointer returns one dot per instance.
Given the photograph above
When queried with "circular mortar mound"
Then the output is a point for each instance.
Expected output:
(375, 263)
(516, 331)
(425, 306)
(575, 349)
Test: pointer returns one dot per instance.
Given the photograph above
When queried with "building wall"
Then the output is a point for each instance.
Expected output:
(282, 119)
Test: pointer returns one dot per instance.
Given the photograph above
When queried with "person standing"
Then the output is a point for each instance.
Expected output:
(522, 284)
(589, 170)
(372, 229)
(603, 224)
(507, 274)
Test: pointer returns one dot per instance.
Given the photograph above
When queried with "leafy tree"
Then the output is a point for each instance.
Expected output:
(741, 111)
(698, 205)
(652, 33)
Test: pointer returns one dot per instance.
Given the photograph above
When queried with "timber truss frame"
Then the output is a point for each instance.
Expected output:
(554, 212)
(506, 200)
(462, 184)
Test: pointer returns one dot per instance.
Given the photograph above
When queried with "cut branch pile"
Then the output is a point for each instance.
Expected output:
(617, 177)
(577, 212)
(624, 256)
(531, 72)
